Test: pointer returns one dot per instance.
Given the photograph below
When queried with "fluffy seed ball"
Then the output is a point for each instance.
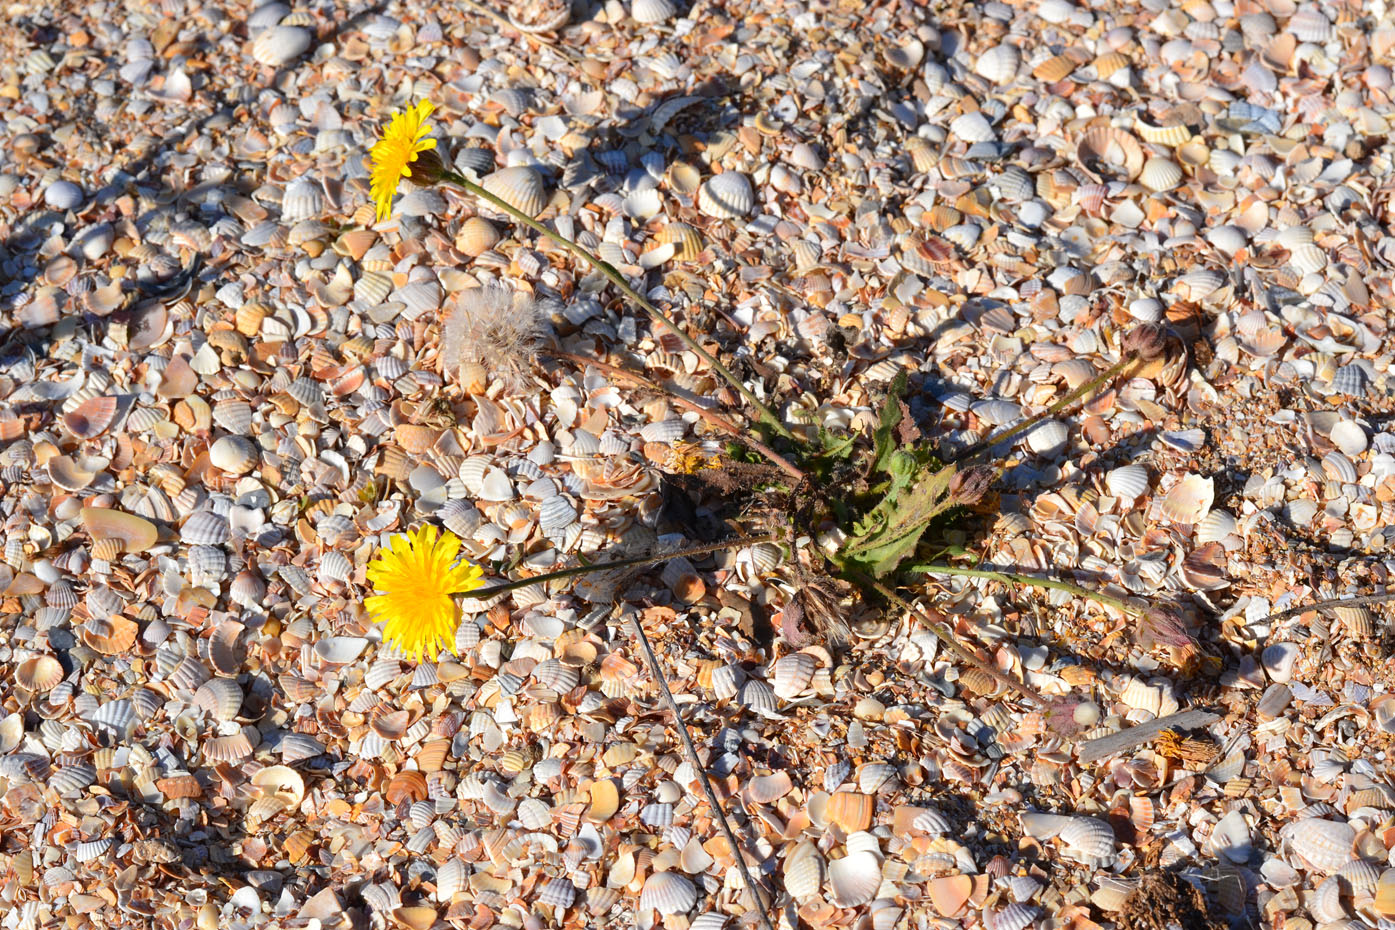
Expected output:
(493, 330)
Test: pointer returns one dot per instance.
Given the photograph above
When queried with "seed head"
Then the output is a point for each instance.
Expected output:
(495, 327)
(967, 487)
(1147, 340)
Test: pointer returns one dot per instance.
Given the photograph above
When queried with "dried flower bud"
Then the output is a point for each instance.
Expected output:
(1163, 626)
(1071, 715)
(425, 168)
(1148, 341)
(968, 486)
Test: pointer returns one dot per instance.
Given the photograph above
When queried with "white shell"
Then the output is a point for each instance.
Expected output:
(1217, 526)
(340, 650)
(1160, 174)
(1189, 500)
(118, 716)
(1348, 436)
(804, 869)
(998, 63)
(204, 528)
(791, 674)
(280, 45)
(520, 187)
(1230, 838)
(1128, 482)
(726, 196)
(1326, 845)
(670, 430)
(1048, 438)
(652, 11)
(668, 893)
(855, 879)
(303, 200)
(220, 697)
(1088, 837)
(972, 127)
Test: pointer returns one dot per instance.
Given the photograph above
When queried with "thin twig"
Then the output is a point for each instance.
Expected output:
(711, 416)
(946, 636)
(1032, 580)
(1109, 374)
(1358, 601)
(703, 778)
(488, 592)
(619, 281)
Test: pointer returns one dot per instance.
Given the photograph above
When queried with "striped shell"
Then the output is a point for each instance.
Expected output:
(652, 11)
(803, 871)
(520, 187)
(727, 196)
(668, 893)
(220, 697)
(1111, 152)
(686, 241)
(855, 879)
(1160, 174)
(791, 674)
(1326, 845)
(998, 63)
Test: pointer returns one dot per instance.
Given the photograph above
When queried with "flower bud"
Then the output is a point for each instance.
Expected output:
(425, 168)
(1148, 341)
(968, 486)
(1163, 626)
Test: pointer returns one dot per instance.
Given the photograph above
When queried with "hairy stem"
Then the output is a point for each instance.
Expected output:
(690, 749)
(711, 416)
(488, 592)
(1032, 580)
(619, 281)
(946, 636)
(1109, 374)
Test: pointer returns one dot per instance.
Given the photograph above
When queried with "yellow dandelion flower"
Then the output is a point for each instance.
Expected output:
(404, 151)
(417, 575)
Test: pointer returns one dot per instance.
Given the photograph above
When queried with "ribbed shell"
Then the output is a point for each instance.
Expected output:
(791, 674)
(668, 893)
(520, 187)
(727, 196)
(204, 528)
(998, 63)
(1324, 844)
(854, 879)
(804, 871)
(220, 697)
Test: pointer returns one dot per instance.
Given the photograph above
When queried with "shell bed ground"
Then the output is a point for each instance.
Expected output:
(222, 387)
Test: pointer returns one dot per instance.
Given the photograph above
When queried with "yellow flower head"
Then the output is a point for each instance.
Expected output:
(403, 143)
(417, 574)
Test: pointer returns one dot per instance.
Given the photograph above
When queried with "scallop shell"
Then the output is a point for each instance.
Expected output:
(1217, 526)
(686, 241)
(1326, 845)
(652, 11)
(804, 871)
(767, 789)
(668, 893)
(281, 45)
(71, 778)
(119, 716)
(477, 235)
(304, 199)
(1111, 152)
(220, 697)
(1015, 916)
(1189, 500)
(727, 196)
(40, 673)
(1171, 136)
(1160, 174)
(854, 879)
(1089, 837)
(204, 528)
(998, 63)
(874, 776)
(297, 747)
(791, 674)
(90, 418)
(520, 187)
(850, 810)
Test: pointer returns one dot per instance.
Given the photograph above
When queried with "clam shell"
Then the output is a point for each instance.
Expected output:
(850, 810)
(1325, 845)
(204, 528)
(1171, 136)
(91, 417)
(854, 879)
(297, 747)
(791, 674)
(1110, 152)
(972, 127)
(303, 199)
(686, 241)
(1217, 526)
(118, 716)
(1015, 916)
(727, 196)
(766, 789)
(340, 650)
(1088, 837)
(135, 533)
(520, 187)
(477, 235)
(668, 893)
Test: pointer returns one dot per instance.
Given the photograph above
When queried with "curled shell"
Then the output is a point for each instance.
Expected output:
(39, 673)
(1109, 152)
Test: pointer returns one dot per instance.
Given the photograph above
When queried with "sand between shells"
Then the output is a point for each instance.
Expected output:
(222, 387)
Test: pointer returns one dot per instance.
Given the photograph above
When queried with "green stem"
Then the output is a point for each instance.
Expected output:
(946, 636)
(488, 592)
(1032, 580)
(1109, 374)
(619, 281)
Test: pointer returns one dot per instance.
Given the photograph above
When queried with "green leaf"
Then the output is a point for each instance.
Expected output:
(892, 530)
(884, 439)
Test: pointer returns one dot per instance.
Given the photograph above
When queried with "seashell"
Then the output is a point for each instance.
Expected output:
(1337, 467)
(118, 716)
(1280, 660)
(686, 241)
(281, 45)
(40, 673)
(767, 789)
(1108, 152)
(204, 528)
(340, 650)
(1015, 916)
(477, 235)
(804, 871)
(759, 698)
(1128, 482)
(235, 455)
(230, 749)
(670, 430)
(187, 674)
(1325, 845)
(221, 698)
(1199, 284)
(726, 196)
(874, 776)
(668, 893)
(297, 747)
(556, 513)
(1189, 500)
(850, 810)
(906, 54)
(854, 879)
(1048, 438)
(92, 850)
(1088, 837)
(1160, 174)
(557, 676)
(1171, 136)
(931, 821)
(521, 187)
(1349, 437)
(791, 674)
(1310, 24)
(652, 11)
(90, 418)
(1217, 525)
(534, 16)
(998, 63)
(110, 636)
(72, 778)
